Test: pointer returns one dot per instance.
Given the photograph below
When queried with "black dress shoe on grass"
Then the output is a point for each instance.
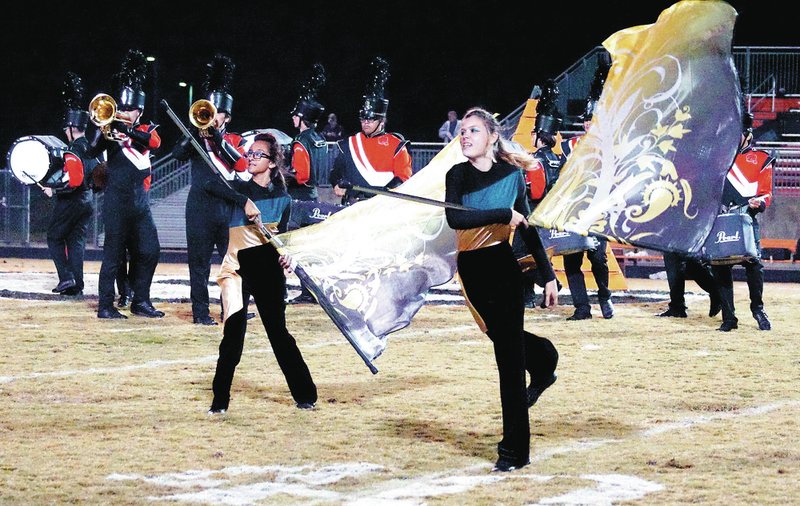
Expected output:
(64, 285)
(123, 301)
(305, 405)
(763, 321)
(607, 308)
(580, 314)
(111, 313)
(673, 313)
(727, 326)
(146, 309)
(504, 465)
(205, 320)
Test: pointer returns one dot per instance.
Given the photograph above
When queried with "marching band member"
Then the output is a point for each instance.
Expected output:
(252, 266)
(308, 154)
(309, 149)
(543, 173)
(66, 235)
(371, 157)
(491, 277)
(208, 207)
(597, 256)
(126, 207)
(748, 183)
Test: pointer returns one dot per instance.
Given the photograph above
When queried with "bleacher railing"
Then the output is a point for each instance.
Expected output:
(786, 173)
(765, 71)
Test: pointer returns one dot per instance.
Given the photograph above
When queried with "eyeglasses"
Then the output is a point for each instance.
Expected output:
(257, 155)
(368, 120)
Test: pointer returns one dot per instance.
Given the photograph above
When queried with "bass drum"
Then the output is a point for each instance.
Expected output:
(37, 159)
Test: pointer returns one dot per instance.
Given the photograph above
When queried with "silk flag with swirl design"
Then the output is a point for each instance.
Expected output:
(375, 260)
(651, 168)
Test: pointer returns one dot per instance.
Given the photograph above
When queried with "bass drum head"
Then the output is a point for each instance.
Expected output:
(30, 159)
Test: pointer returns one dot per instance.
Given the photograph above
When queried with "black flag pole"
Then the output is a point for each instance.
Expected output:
(186, 133)
(298, 269)
(404, 196)
(316, 290)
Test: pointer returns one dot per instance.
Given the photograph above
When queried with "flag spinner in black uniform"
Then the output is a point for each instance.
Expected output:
(491, 278)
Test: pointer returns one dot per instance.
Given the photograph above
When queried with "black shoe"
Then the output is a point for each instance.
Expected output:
(217, 411)
(504, 465)
(111, 313)
(763, 321)
(250, 316)
(205, 320)
(64, 285)
(72, 292)
(146, 309)
(534, 391)
(727, 326)
(303, 298)
(673, 313)
(305, 405)
(715, 307)
(580, 314)
(607, 308)
(123, 301)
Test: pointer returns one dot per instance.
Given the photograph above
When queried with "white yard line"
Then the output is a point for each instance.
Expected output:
(310, 482)
(154, 364)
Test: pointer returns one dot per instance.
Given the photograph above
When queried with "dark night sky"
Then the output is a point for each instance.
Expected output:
(442, 55)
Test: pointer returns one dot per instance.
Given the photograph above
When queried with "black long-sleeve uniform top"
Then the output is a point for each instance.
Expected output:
(492, 195)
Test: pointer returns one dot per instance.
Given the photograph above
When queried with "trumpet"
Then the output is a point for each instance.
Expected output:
(103, 112)
(202, 114)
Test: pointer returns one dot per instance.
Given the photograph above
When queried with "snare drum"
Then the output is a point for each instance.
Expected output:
(37, 159)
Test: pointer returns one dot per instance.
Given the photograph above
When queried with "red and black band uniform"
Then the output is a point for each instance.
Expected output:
(309, 154)
(251, 267)
(491, 279)
(126, 211)
(750, 176)
(69, 224)
(208, 207)
(381, 161)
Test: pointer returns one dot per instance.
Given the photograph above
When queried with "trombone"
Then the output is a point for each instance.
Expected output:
(103, 112)
(201, 114)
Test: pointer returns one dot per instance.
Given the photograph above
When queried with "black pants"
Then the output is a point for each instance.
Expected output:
(577, 285)
(201, 240)
(680, 268)
(133, 227)
(492, 281)
(754, 272)
(66, 235)
(262, 277)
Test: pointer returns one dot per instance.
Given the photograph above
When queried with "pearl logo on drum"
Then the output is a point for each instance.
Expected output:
(723, 237)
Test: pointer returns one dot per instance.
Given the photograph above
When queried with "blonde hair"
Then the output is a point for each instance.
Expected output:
(510, 152)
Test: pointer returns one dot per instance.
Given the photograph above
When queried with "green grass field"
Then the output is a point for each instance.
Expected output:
(646, 410)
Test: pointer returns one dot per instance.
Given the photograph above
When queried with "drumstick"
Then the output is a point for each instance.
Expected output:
(33, 180)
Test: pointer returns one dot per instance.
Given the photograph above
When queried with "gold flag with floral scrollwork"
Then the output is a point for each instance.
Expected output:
(651, 167)
(375, 260)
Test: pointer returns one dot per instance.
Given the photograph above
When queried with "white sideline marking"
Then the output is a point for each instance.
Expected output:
(610, 488)
(305, 481)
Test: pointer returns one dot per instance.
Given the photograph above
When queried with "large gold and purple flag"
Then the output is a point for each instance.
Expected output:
(374, 261)
(651, 168)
